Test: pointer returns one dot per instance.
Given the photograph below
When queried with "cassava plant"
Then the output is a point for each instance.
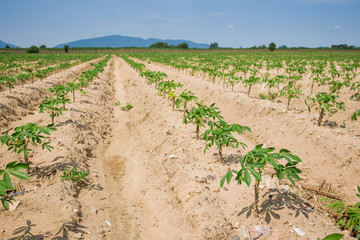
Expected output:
(127, 107)
(251, 81)
(186, 97)
(12, 168)
(72, 87)
(74, 175)
(355, 115)
(172, 96)
(201, 114)
(220, 134)
(326, 103)
(51, 105)
(356, 88)
(290, 91)
(24, 136)
(347, 215)
(254, 162)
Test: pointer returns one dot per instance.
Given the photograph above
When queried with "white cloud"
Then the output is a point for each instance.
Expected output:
(159, 18)
(230, 26)
(216, 14)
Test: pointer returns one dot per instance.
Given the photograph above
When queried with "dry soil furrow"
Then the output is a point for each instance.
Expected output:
(135, 205)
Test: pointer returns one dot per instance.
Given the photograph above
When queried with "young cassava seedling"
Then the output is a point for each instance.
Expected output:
(220, 134)
(326, 102)
(11, 168)
(51, 105)
(355, 115)
(254, 163)
(74, 175)
(202, 114)
(127, 107)
(25, 135)
(290, 91)
(347, 216)
(187, 96)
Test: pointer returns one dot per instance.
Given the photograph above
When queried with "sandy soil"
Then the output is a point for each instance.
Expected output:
(149, 178)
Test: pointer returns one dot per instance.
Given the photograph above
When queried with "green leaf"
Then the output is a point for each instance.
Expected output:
(3, 188)
(9, 165)
(255, 174)
(226, 177)
(7, 181)
(5, 204)
(247, 178)
(334, 236)
(19, 174)
(20, 166)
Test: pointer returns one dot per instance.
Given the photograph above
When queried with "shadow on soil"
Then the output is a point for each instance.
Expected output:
(24, 232)
(276, 201)
(66, 228)
(231, 159)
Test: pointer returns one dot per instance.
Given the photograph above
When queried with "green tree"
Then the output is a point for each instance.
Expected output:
(42, 47)
(7, 46)
(159, 45)
(66, 48)
(214, 45)
(32, 49)
(272, 46)
(183, 45)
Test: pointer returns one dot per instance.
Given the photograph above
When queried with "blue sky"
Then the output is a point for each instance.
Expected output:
(231, 23)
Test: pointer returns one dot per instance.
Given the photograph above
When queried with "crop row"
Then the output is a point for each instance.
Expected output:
(281, 72)
(26, 137)
(220, 134)
(9, 81)
(11, 63)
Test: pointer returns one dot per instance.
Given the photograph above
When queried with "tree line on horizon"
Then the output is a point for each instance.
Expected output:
(184, 45)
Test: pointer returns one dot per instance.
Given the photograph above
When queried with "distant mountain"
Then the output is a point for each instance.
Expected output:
(116, 41)
(3, 45)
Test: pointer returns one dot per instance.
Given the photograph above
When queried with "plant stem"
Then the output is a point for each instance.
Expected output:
(312, 87)
(185, 107)
(321, 116)
(256, 203)
(269, 93)
(197, 132)
(220, 153)
(249, 90)
(288, 105)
